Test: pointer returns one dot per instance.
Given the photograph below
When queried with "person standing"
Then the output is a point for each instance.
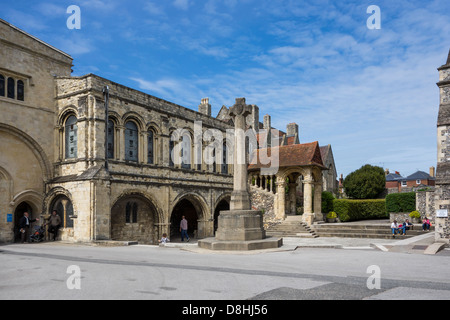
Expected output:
(24, 225)
(54, 223)
(184, 229)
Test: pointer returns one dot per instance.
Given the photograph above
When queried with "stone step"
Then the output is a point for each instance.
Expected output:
(292, 226)
(346, 230)
(364, 235)
(352, 230)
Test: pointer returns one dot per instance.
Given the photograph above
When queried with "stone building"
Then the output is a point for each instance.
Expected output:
(54, 153)
(442, 191)
(115, 163)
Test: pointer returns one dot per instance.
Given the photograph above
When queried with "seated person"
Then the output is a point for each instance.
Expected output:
(395, 228)
(426, 224)
(406, 225)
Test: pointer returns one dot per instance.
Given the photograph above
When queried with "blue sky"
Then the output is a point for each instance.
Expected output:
(371, 94)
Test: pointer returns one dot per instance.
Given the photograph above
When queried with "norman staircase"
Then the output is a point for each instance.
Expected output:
(292, 226)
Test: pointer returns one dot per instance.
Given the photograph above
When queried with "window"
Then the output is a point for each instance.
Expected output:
(131, 210)
(171, 155)
(2, 86)
(131, 141)
(186, 151)
(150, 145)
(11, 88)
(71, 137)
(224, 159)
(418, 181)
(20, 90)
(404, 184)
(110, 143)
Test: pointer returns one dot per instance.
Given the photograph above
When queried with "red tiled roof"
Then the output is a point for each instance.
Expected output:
(306, 154)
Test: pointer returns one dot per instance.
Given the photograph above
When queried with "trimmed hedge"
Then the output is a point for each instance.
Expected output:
(351, 210)
(401, 202)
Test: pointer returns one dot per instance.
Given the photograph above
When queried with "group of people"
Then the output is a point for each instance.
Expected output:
(401, 229)
(54, 223)
(25, 222)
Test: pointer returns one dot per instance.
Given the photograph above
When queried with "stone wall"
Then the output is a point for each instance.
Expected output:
(264, 201)
(26, 126)
(425, 204)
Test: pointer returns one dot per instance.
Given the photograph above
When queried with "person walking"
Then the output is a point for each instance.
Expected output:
(184, 229)
(24, 225)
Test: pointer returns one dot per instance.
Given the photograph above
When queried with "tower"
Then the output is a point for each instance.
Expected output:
(442, 197)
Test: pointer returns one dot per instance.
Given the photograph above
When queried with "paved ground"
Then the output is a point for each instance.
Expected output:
(313, 269)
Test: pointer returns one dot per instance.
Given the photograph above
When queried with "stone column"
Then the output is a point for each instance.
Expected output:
(308, 215)
(240, 228)
(281, 199)
(240, 198)
(64, 203)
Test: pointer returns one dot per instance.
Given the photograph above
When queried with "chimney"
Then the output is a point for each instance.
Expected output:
(292, 131)
(267, 122)
(253, 119)
(432, 172)
(205, 107)
(267, 125)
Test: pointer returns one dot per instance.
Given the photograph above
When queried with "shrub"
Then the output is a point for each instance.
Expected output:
(414, 214)
(331, 215)
(351, 210)
(401, 202)
(327, 201)
(365, 183)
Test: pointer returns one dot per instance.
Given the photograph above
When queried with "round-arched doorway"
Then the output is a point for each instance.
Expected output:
(187, 209)
(18, 214)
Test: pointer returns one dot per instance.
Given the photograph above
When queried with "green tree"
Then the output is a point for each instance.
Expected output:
(365, 183)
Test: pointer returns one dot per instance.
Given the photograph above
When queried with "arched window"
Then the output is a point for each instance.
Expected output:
(71, 137)
(2, 86)
(110, 142)
(131, 210)
(224, 159)
(131, 141)
(171, 155)
(11, 88)
(20, 90)
(150, 145)
(186, 148)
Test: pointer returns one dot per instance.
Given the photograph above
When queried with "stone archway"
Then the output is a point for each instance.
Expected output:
(194, 208)
(134, 218)
(18, 214)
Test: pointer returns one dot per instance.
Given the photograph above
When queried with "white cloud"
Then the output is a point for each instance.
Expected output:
(181, 4)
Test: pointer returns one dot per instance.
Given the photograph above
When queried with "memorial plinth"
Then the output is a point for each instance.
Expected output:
(240, 228)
